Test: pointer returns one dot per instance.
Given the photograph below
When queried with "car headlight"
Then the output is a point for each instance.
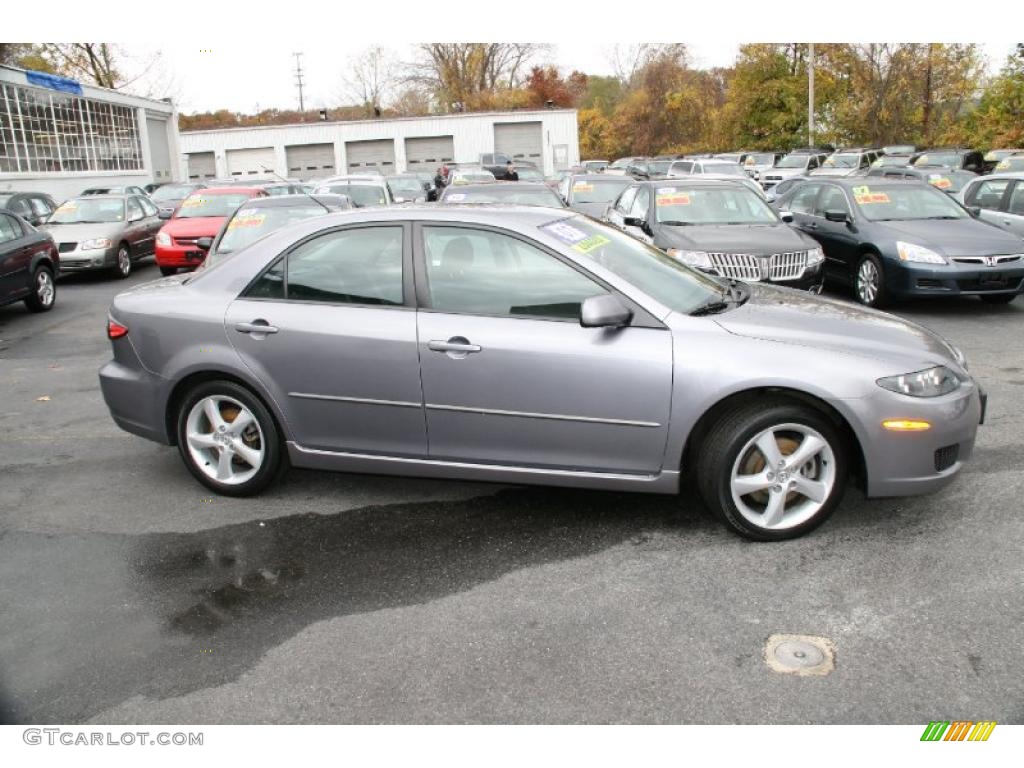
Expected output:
(163, 238)
(917, 253)
(932, 382)
(815, 256)
(693, 258)
(92, 245)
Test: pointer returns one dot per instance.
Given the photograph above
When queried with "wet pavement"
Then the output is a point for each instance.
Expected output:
(129, 594)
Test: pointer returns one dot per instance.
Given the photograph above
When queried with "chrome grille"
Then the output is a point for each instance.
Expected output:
(988, 260)
(746, 266)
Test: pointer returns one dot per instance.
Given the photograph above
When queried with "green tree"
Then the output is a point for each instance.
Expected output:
(998, 120)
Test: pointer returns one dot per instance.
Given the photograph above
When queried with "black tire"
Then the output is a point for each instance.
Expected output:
(879, 297)
(167, 271)
(999, 298)
(40, 300)
(731, 434)
(123, 262)
(274, 462)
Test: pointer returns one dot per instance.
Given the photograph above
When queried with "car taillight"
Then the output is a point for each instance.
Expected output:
(115, 330)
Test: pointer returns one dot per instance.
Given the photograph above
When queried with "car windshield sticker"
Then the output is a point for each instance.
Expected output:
(1003, 164)
(564, 232)
(681, 198)
(829, 161)
(937, 180)
(192, 202)
(864, 196)
(67, 207)
(458, 197)
(248, 219)
(665, 191)
(582, 186)
(592, 242)
(749, 160)
(922, 160)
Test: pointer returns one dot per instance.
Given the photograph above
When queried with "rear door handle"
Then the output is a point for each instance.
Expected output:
(455, 344)
(256, 326)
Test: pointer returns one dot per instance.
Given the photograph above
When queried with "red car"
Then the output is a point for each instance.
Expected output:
(201, 214)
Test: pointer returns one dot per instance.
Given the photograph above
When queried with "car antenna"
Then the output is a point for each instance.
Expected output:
(318, 202)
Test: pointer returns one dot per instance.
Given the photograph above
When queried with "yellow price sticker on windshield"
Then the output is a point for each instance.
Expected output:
(582, 186)
(248, 220)
(680, 198)
(67, 207)
(192, 202)
(1002, 164)
(592, 242)
(872, 197)
(861, 191)
(939, 181)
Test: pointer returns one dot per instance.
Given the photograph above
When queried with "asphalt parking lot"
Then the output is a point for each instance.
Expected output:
(128, 594)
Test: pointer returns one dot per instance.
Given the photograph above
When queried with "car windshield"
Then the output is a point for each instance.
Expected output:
(408, 187)
(1011, 164)
(905, 202)
(938, 158)
(891, 160)
(622, 162)
(250, 224)
(658, 166)
(704, 205)
(760, 158)
(594, 191)
(793, 161)
(505, 193)
(82, 210)
(668, 281)
(361, 195)
(725, 169)
(947, 182)
(842, 161)
(172, 192)
(200, 204)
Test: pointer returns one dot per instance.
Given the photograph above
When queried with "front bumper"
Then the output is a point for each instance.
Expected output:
(189, 257)
(909, 279)
(80, 260)
(912, 463)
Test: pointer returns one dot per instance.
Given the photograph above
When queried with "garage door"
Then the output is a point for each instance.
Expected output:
(201, 165)
(250, 163)
(310, 161)
(363, 156)
(425, 153)
(159, 153)
(520, 141)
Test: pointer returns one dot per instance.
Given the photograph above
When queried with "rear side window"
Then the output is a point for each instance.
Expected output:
(989, 194)
(351, 266)
(1016, 206)
(40, 207)
(10, 229)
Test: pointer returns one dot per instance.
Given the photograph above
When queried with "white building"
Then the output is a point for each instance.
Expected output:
(59, 136)
(548, 138)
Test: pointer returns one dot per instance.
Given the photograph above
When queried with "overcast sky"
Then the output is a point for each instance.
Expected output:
(230, 76)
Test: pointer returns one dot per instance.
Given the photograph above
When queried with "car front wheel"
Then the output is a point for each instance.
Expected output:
(870, 281)
(228, 439)
(773, 471)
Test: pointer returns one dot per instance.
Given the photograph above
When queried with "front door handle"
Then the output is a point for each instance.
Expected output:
(455, 346)
(256, 326)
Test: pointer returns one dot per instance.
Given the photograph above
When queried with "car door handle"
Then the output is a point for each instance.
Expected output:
(454, 344)
(256, 326)
(810, 225)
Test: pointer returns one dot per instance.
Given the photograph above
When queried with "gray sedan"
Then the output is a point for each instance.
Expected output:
(533, 345)
(104, 232)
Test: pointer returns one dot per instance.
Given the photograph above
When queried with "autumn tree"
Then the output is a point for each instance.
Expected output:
(467, 76)
(369, 78)
(545, 86)
(998, 120)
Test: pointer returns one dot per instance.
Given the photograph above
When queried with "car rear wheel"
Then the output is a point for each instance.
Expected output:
(228, 439)
(123, 265)
(869, 282)
(773, 470)
(44, 290)
(999, 298)
(165, 271)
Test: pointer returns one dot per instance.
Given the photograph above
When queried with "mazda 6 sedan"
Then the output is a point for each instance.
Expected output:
(533, 345)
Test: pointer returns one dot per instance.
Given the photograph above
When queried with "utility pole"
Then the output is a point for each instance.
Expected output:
(810, 94)
(298, 79)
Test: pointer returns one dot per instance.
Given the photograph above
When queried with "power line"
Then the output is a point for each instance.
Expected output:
(298, 79)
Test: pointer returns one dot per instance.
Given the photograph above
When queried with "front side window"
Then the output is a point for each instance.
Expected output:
(489, 273)
(147, 207)
(39, 206)
(832, 199)
(134, 209)
(626, 201)
(641, 204)
(1016, 206)
(988, 194)
(803, 199)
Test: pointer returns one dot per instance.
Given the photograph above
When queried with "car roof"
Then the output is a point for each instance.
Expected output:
(369, 178)
(117, 196)
(294, 201)
(600, 177)
(858, 181)
(695, 182)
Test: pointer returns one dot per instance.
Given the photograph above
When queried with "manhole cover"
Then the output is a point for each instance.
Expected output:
(802, 655)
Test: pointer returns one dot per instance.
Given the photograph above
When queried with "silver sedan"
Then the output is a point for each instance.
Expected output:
(533, 345)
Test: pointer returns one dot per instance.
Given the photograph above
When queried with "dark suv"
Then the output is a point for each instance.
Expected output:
(33, 207)
(30, 264)
(954, 158)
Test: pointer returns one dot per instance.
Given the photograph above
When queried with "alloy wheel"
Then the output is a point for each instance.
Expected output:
(225, 439)
(867, 282)
(783, 476)
(44, 288)
(124, 261)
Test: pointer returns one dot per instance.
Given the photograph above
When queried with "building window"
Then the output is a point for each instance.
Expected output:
(43, 131)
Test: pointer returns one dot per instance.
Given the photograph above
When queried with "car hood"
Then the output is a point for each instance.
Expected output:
(758, 239)
(957, 237)
(202, 226)
(76, 233)
(595, 210)
(796, 317)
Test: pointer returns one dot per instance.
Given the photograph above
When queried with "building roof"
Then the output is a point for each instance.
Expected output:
(18, 76)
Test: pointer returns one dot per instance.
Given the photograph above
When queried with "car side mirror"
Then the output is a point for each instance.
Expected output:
(604, 311)
(165, 214)
(974, 210)
(786, 216)
(632, 221)
(840, 217)
(204, 243)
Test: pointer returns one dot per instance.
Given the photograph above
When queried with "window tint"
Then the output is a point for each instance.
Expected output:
(147, 207)
(10, 229)
(353, 266)
(489, 273)
(39, 206)
(832, 199)
(20, 207)
(989, 194)
(802, 200)
(626, 201)
(1016, 206)
(134, 209)
(641, 203)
